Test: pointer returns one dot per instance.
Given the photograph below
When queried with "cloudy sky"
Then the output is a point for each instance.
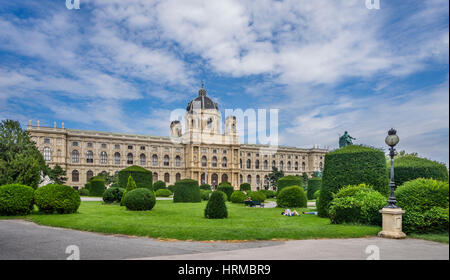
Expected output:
(328, 66)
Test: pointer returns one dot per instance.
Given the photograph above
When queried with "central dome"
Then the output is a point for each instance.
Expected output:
(201, 102)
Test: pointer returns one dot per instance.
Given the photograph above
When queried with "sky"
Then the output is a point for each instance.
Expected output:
(327, 66)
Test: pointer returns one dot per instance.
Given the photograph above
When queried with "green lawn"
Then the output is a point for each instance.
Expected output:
(437, 237)
(185, 221)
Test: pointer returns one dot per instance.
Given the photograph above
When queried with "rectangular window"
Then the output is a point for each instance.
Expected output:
(104, 146)
(142, 148)
(116, 146)
(130, 147)
(46, 140)
(89, 144)
(75, 144)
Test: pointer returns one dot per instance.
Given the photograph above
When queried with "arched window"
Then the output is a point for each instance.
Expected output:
(177, 161)
(89, 175)
(274, 164)
(103, 158)
(204, 161)
(155, 160)
(241, 179)
(130, 158)
(177, 177)
(281, 165)
(257, 164)
(258, 180)
(117, 158)
(296, 166)
(142, 159)
(240, 163)
(224, 162)
(214, 179)
(224, 178)
(89, 157)
(47, 154)
(249, 164)
(266, 181)
(75, 176)
(266, 165)
(249, 179)
(288, 165)
(75, 156)
(166, 177)
(303, 166)
(155, 176)
(204, 180)
(214, 161)
(166, 161)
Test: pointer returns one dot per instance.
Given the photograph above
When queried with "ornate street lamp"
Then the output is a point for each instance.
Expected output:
(392, 140)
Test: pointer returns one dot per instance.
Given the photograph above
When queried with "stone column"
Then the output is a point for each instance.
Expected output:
(392, 223)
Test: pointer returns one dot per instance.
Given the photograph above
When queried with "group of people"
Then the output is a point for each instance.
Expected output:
(288, 212)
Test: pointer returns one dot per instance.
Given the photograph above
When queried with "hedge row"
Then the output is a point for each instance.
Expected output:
(314, 185)
(187, 190)
(288, 181)
(141, 176)
(407, 168)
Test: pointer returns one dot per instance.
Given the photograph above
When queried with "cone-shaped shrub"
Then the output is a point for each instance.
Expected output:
(288, 181)
(16, 199)
(187, 190)
(131, 185)
(140, 199)
(292, 196)
(216, 208)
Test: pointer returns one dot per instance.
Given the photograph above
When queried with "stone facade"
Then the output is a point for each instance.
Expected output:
(201, 153)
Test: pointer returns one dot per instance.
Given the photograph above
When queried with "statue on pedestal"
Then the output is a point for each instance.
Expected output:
(345, 140)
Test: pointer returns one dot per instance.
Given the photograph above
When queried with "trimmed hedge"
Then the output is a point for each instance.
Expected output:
(292, 196)
(257, 196)
(351, 190)
(352, 165)
(288, 181)
(316, 195)
(16, 199)
(171, 188)
(83, 191)
(227, 188)
(57, 198)
(163, 193)
(238, 197)
(314, 185)
(113, 195)
(159, 185)
(245, 187)
(187, 190)
(205, 194)
(216, 207)
(269, 193)
(407, 168)
(131, 185)
(141, 176)
(426, 204)
(140, 199)
(96, 187)
(205, 187)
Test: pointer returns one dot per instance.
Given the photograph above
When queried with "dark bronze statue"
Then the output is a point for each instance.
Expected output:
(345, 140)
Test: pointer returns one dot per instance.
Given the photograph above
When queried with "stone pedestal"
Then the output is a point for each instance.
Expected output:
(392, 223)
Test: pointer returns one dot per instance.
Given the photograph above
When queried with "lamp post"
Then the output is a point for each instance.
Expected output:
(392, 140)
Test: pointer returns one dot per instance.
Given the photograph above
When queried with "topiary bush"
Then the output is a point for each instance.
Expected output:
(288, 181)
(238, 197)
(314, 185)
(171, 188)
(159, 185)
(141, 176)
(205, 187)
(351, 190)
(96, 187)
(426, 204)
(187, 190)
(257, 196)
(131, 185)
(292, 196)
(205, 194)
(16, 199)
(140, 199)
(113, 195)
(216, 207)
(57, 198)
(407, 168)
(163, 193)
(352, 165)
(245, 187)
(83, 191)
(227, 188)
(269, 193)
(316, 195)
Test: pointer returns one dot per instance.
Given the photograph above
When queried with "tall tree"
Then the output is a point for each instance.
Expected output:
(274, 176)
(57, 174)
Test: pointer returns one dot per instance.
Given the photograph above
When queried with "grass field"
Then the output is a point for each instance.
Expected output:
(437, 237)
(185, 221)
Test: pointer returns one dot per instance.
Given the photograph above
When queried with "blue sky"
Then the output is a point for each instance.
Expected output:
(328, 66)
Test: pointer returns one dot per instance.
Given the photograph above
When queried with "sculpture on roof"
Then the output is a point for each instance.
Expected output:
(345, 140)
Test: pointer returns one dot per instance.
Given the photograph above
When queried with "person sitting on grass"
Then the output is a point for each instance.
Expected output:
(309, 213)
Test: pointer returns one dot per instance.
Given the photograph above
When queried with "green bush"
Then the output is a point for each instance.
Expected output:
(171, 188)
(351, 190)
(407, 168)
(269, 193)
(159, 185)
(205, 187)
(205, 194)
(238, 197)
(316, 195)
(113, 195)
(57, 198)
(245, 187)
(257, 196)
(96, 187)
(426, 204)
(292, 196)
(16, 199)
(352, 165)
(226, 188)
(186, 190)
(141, 176)
(288, 181)
(140, 199)
(83, 191)
(313, 186)
(362, 207)
(163, 193)
(216, 207)
(131, 185)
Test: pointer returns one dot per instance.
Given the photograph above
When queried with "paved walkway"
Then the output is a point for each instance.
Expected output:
(25, 240)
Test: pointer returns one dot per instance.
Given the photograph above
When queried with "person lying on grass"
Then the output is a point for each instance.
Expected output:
(309, 213)
(289, 213)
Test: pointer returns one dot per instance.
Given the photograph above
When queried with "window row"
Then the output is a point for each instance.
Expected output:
(214, 161)
(129, 158)
(166, 177)
(281, 165)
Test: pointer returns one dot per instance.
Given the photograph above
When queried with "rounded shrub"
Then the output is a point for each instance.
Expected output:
(57, 198)
(288, 181)
(352, 165)
(407, 168)
(351, 190)
(163, 193)
(238, 197)
(316, 195)
(216, 207)
(293, 196)
(205, 187)
(96, 187)
(187, 190)
(269, 193)
(141, 176)
(313, 186)
(113, 195)
(257, 196)
(83, 191)
(245, 187)
(159, 185)
(227, 188)
(205, 194)
(16, 199)
(171, 188)
(140, 199)
(426, 202)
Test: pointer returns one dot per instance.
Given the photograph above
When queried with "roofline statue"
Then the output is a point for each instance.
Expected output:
(345, 140)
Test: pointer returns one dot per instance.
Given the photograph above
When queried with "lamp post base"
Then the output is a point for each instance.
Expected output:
(392, 223)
